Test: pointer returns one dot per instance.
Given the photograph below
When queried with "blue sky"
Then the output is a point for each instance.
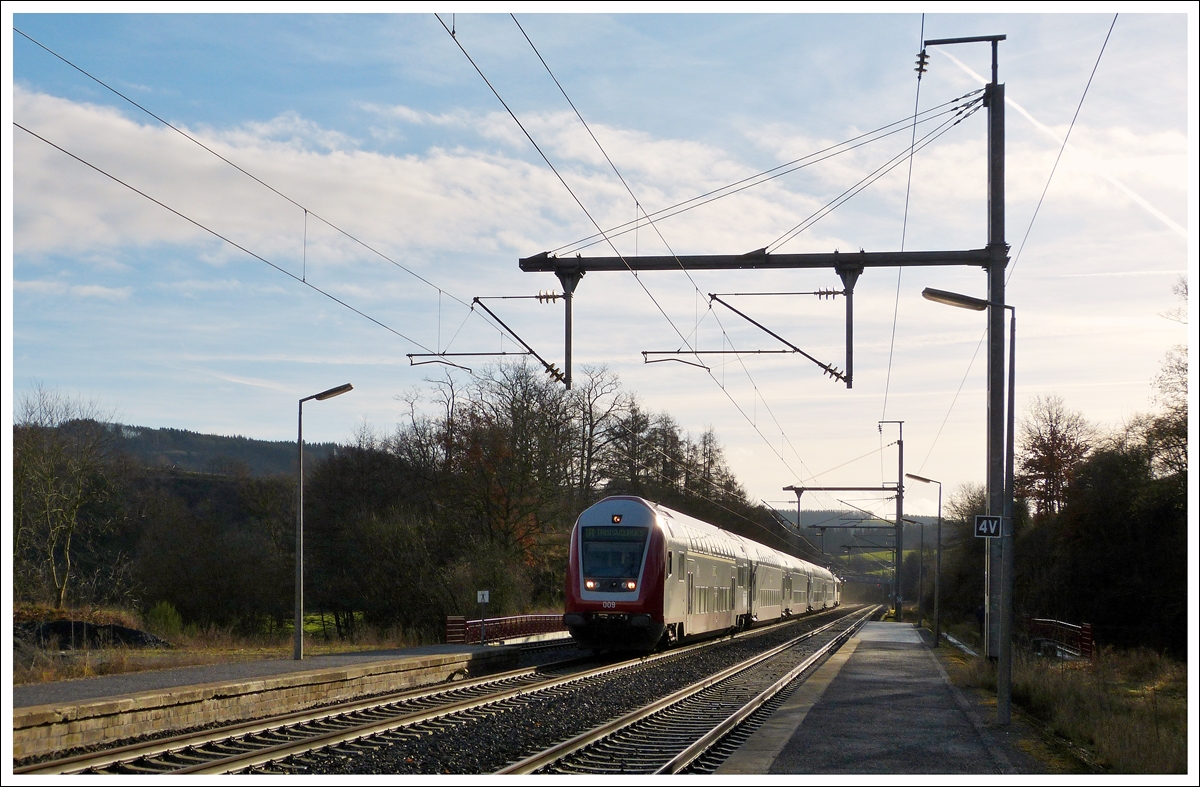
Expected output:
(378, 124)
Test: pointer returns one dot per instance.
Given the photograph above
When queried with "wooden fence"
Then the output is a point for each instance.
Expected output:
(459, 630)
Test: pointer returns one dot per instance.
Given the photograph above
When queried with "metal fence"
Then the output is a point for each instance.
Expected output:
(1068, 638)
(459, 630)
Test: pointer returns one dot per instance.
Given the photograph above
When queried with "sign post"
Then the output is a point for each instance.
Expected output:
(482, 597)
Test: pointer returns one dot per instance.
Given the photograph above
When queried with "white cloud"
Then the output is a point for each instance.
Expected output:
(459, 118)
(103, 293)
(42, 287)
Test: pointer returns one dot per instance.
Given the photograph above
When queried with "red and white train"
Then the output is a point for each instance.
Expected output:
(641, 575)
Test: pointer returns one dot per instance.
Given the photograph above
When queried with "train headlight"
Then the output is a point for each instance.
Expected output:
(631, 585)
(590, 584)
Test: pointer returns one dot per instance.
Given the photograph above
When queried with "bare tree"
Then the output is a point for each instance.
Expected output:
(1179, 313)
(1053, 440)
(61, 453)
(1166, 434)
(597, 401)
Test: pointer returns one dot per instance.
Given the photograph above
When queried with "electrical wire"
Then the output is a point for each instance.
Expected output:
(903, 228)
(546, 159)
(1061, 148)
(216, 234)
(607, 239)
(959, 115)
(258, 180)
(696, 288)
(762, 177)
(1013, 267)
(963, 112)
(855, 459)
(645, 444)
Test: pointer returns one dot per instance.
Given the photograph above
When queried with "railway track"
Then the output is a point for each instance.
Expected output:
(234, 746)
(672, 734)
(287, 743)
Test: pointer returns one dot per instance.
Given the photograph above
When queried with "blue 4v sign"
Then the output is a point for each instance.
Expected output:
(987, 526)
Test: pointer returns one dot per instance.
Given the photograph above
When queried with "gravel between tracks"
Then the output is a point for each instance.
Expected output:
(495, 738)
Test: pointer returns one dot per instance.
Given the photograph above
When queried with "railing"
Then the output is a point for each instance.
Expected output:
(459, 630)
(1075, 640)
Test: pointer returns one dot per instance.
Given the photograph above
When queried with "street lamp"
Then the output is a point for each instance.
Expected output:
(937, 565)
(1004, 673)
(298, 637)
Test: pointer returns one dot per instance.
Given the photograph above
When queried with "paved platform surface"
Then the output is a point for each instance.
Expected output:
(881, 704)
(68, 692)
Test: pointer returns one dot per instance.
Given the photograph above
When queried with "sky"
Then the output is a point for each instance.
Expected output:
(390, 177)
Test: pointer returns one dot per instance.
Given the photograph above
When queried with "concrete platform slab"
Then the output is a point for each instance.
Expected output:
(54, 717)
(882, 704)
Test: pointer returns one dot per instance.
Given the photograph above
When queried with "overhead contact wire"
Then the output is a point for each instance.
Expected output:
(658, 232)
(964, 112)
(743, 184)
(546, 159)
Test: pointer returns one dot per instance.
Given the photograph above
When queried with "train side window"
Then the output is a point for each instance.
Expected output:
(670, 565)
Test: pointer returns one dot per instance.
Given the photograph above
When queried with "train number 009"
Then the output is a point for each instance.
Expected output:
(610, 605)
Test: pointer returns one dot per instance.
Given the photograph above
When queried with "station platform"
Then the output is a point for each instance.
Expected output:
(54, 717)
(882, 704)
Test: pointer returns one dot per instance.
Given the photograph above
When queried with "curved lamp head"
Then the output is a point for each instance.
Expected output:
(920, 478)
(332, 392)
(954, 299)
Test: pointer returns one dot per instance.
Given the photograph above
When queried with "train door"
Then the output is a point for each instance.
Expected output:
(753, 610)
(688, 625)
(731, 604)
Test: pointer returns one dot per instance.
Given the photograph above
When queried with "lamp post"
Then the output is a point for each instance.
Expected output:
(937, 565)
(298, 637)
(920, 568)
(1004, 671)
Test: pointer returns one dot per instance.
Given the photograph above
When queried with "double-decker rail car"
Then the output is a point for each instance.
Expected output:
(641, 575)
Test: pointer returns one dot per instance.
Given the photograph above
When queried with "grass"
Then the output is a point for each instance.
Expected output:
(1127, 710)
(191, 646)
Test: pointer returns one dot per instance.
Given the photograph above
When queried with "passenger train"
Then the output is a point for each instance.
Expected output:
(642, 576)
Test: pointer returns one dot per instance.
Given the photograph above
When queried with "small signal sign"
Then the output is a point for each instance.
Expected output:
(987, 526)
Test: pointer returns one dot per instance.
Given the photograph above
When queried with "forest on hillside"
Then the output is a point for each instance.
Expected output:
(180, 449)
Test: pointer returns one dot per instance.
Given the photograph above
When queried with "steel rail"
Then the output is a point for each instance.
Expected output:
(566, 748)
(93, 760)
(689, 755)
(260, 757)
(186, 746)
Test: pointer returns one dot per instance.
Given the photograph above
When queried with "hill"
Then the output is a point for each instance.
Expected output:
(180, 449)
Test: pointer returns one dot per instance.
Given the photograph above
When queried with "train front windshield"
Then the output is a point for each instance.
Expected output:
(613, 551)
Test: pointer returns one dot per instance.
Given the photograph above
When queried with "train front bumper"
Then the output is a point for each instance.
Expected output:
(614, 630)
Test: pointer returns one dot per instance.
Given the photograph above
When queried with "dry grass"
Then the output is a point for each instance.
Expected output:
(1127, 709)
(97, 616)
(190, 647)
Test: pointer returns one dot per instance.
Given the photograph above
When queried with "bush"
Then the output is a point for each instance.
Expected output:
(164, 620)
